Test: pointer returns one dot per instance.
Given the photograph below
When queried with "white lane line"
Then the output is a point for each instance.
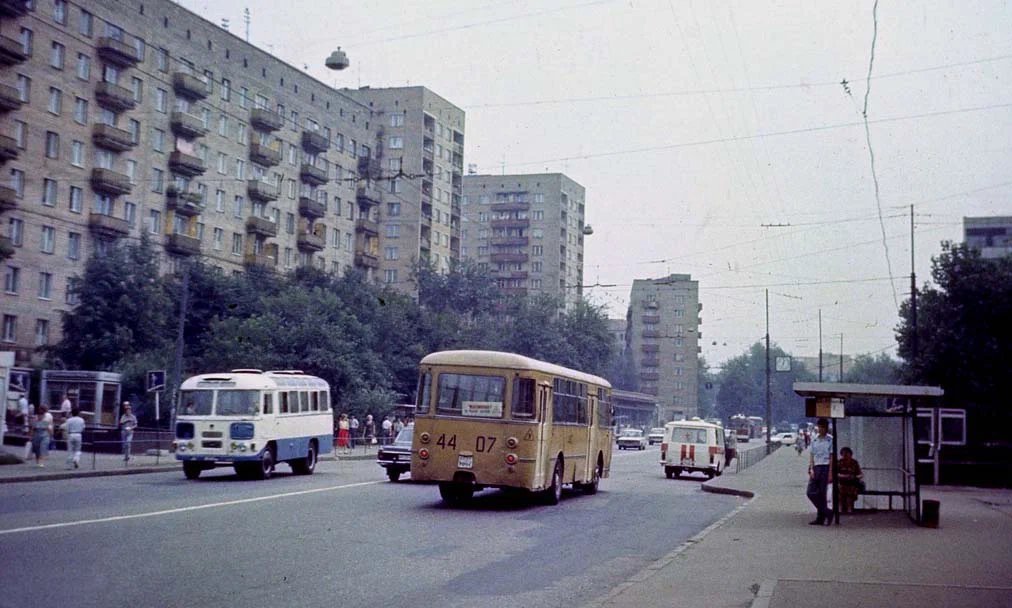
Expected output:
(213, 505)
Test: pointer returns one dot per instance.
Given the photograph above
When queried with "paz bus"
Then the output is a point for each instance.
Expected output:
(486, 419)
(252, 420)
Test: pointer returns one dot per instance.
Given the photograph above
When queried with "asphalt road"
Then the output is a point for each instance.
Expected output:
(342, 537)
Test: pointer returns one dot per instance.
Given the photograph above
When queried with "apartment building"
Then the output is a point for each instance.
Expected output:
(528, 230)
(663, 334)
(422, 163)
(120, 117)
(991, 235)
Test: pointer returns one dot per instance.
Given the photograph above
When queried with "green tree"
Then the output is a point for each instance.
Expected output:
(868, 369)
(742, 385)
(122, 309)
(964, 337)
(706, 391)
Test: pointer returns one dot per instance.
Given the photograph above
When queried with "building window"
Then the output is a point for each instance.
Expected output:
(49, 192)
(41, 332)
(222, 163)
(390, 253)
(60, 11)
(86, 24)
(335, 238)
(226, 89)
(16, 231)
(243, 97)
(26, 41)
(162, 59)
(396, 143)
(219, 201)
(157, 140)
(21, 133)
(130, 213)
(218, 235)
(237, 208)
(73, 246)
(12, 280)
(131, 171)
(18, 182)
(137, 87)
(10, 328)
(24, 88)
(48, 242)
(222, 125)
(77, 153)
(55, 101)
(45, 285)
(72, 296)
(236, 243)
(81, 111)
(102, 204)
(161, 100)
(393, 231)
(57, 55)
(52, 145)
(240, 168)
(290, 223)
(155, 221)
(397, 119)
(157, 180)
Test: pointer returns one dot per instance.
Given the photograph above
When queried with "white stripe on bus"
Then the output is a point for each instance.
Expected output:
(212, 505)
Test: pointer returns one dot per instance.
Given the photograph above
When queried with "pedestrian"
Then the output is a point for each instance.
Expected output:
(65, 406)
(820, 473)
(27, 420)
(851, 480)
(388, 429)
(343, 433)
(74, 430)
(353, 431)
(127, 424)
(398, 426)
(369, 430)
(42, 432)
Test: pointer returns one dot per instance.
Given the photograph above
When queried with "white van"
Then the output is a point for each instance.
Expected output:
(692, 445)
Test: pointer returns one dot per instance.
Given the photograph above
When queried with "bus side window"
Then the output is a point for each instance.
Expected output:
(523, 397)
(268, 403)
(324, 401)
(284, 403)
(304, 401)
(316, 400)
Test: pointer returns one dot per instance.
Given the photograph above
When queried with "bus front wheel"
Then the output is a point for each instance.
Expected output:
(266, 465)
(553, 494)
(192, 469)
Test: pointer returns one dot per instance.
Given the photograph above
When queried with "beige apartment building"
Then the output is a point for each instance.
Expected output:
(663, 335)
(528, 230)
(423, 157)
(124, 117)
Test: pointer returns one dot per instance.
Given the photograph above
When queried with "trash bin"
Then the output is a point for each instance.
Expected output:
(929, 513)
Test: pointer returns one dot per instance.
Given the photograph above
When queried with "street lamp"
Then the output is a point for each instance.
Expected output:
(338, 60)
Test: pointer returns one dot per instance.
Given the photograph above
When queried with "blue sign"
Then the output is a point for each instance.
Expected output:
(156, 380)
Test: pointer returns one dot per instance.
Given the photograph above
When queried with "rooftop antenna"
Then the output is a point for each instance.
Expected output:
(245, 17)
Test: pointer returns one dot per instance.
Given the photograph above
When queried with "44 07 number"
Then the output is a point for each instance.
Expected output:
(481, 442)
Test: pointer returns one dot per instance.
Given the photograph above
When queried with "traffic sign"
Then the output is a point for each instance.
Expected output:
(156, 380)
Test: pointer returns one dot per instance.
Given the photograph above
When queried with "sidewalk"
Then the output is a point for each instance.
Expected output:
(766, 555)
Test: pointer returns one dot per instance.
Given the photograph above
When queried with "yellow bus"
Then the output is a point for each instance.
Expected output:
(486, 419)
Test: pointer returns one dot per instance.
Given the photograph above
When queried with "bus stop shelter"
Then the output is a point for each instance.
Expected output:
(877, 421)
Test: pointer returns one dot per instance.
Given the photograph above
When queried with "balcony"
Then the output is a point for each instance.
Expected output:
(110, 182)
(11, 51)
(510, 207)
(519, 292)
(190, 85)
(8, 148)
(107, 226)
(366, 260)
(510, 223)
(650, 305)
(508, 257)
(184, 203)
(366, 197)
(10, 99)
(262, 191)
(114, 97)
(13, 8)
(426, 220)
(649, 390)
(311, 174)
(261, 226)
(368, 168)
(187, 125)
(266, 120)
(651, 319)
(186, 164)
(263, 260)
(510, 274)
(307, 241)
(650, 348)
(8, 199)
(182, 244)
(314, 142)
(117, 52)
(650, 376)
(651, 362)
(112, 138)
(310, 208)
(264, 155)
(651, 333)
(367, 226)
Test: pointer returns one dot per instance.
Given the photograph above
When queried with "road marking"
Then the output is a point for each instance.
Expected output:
(213, 505)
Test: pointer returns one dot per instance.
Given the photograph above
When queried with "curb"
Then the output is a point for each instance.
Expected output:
(706, 487)
(73, 475)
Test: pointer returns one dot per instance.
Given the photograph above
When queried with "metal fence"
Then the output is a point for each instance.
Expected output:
(748, 457)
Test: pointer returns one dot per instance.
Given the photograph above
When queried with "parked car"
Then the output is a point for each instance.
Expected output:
(632, 439)
(656, 435)
(784, 438)
(396, 457)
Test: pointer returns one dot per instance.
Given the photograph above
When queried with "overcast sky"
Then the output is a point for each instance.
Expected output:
(694, 123)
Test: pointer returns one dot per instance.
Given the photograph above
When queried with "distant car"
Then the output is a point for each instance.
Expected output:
(632, 439)
(396, 457)
(785, 438)
(656, 435)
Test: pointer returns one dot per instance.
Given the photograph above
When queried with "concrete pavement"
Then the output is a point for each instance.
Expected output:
(766, 555)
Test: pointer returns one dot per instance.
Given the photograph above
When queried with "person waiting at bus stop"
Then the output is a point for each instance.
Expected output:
(820, 472)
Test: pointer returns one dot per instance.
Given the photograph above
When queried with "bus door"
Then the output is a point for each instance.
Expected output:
(544, 460)
(592, 435)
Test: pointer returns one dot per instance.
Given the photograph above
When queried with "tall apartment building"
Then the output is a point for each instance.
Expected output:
(119, 117)
(991, 236)
(663, 334)
(424, 137)
(528, 230)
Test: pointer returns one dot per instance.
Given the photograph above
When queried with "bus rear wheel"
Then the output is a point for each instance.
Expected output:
(393, 474)
(591, 486)
(455, 493)
(306, 466)
(192, 469)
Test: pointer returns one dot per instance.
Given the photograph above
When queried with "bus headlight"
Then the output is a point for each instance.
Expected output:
(423, 454)
(511, 459)
(189, 445)
(424, 438)
(512, 442)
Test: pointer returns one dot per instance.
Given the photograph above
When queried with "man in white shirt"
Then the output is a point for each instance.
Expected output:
(820, 472)
(74, 428)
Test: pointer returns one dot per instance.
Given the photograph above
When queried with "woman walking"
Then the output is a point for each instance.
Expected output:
(42, 432)
(343, 434)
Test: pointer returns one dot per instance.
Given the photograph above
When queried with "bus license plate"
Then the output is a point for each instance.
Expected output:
(465, 462)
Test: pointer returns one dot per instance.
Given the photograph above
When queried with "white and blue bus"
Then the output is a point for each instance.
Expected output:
(253, 420)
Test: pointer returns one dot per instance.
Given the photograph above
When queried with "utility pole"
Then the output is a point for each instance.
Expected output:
(913, 292)
(769, 404)
(820, 345)
(841, 356)
(245, 16)
(177, 367)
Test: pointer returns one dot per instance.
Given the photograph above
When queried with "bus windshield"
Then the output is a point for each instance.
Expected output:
(196, 403)
(238, 403)
(471, 395)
